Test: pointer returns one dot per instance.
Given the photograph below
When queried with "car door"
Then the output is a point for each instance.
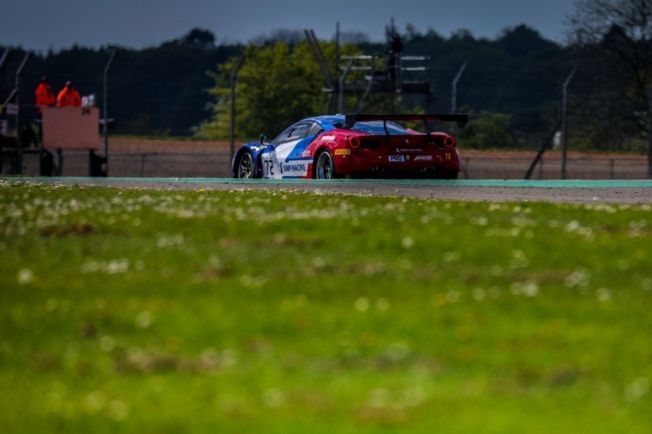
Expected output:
(284, 158)
(271, 168)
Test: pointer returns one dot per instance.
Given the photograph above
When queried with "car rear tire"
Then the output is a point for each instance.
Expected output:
(244, 166)
(324, 166)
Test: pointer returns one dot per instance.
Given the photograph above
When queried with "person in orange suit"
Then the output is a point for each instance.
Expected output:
(44, 95)
(68, 97)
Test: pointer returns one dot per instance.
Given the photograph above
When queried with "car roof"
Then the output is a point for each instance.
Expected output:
(328, 120)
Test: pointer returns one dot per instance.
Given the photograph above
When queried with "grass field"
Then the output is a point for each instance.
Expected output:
(142, 311)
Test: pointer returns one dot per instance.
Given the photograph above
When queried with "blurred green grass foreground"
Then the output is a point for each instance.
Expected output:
(145, 311)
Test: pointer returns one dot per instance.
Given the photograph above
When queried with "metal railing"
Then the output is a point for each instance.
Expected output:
(216, 164)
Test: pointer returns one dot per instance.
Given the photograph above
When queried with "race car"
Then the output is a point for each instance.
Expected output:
(358, 145)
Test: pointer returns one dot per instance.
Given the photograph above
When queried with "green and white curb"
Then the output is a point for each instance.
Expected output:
(493, 183)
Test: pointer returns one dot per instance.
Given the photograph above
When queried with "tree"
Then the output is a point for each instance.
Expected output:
(289, 36)
(615, 40)
(278, 84)
(199, 36)
(521, 40)
(488, 131)
(354, 37)
(164, 88)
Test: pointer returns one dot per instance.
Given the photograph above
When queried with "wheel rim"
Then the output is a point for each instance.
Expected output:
(246, 166)
(324, 166)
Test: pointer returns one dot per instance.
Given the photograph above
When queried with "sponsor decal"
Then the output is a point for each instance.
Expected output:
(293, 168)
(328, 138)
(343, 151)
(423, 158)
(409, 150)
(305, 154)
(396, 158)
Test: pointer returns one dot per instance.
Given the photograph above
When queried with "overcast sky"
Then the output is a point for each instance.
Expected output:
(43, 24)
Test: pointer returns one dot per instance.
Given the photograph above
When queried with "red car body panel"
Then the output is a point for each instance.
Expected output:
(376, 154)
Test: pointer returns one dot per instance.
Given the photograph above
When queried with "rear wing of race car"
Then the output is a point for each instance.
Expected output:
(460, 119)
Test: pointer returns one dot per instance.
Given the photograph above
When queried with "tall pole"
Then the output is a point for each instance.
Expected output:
(454, 87)
(3, 61)
(649, 133)
(234, 78)
(105, 109)
(564, 107)
(319, 55)
(340, 100)
(18, 169)
(4, 58)
(337, 43)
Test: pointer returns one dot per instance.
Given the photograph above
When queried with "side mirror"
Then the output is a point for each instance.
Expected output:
(263, 138)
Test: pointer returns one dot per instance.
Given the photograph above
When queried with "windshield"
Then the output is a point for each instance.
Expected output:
(376, 127)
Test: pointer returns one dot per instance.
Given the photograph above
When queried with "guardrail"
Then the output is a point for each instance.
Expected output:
(550, 168)
(216, 164)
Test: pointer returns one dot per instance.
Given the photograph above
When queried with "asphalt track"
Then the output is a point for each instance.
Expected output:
(571, 191)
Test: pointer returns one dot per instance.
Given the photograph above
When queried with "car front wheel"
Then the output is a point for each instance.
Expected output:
(244, 167)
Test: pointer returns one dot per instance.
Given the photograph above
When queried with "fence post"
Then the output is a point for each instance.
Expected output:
(649, 134)
(564, 104)
(541, 168)
(340, 99)
(454, 87)
(337, 43)
(3, 61)
(18, 168)
(541, 150)
(142, 164)
(466, 162)
(234, 79)
(105, 107)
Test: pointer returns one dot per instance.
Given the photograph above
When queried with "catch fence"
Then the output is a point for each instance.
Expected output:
(476, 166)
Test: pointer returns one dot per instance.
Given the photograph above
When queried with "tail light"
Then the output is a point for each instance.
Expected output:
(354, 142)
(449, 142)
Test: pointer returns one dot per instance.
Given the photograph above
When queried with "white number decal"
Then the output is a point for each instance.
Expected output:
(268, 163)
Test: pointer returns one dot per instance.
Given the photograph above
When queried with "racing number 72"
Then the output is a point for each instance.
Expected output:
(269, 166)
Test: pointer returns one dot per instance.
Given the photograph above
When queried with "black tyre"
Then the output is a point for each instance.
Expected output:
(324, 167)
(244, 166)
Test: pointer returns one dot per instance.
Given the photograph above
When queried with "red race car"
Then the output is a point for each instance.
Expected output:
(363, 146)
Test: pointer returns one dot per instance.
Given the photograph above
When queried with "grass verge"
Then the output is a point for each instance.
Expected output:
(143, 311)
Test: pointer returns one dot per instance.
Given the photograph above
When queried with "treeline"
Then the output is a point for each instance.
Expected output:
(153, 91)
(512, 85)
(518, 73)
